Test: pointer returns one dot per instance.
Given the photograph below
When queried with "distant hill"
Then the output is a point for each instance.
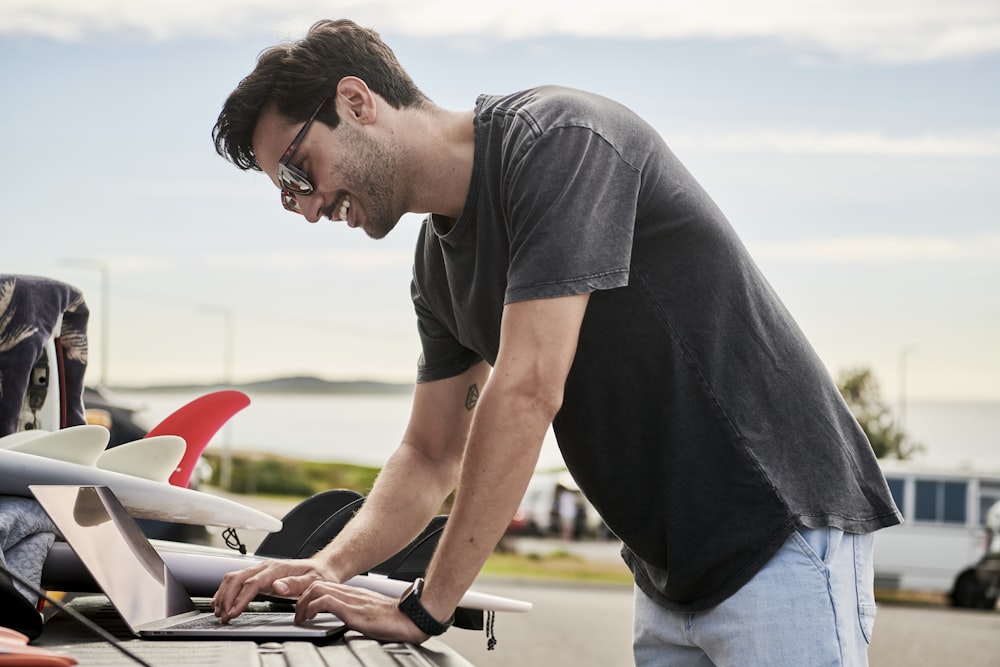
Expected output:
(287, 385)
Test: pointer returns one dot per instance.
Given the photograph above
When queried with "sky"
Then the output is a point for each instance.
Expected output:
(854, 146)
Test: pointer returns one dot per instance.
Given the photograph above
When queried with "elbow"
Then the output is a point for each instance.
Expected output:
(548, 402)
(531, 396)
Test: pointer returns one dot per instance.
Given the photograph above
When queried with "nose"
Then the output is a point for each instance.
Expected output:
(312, 207)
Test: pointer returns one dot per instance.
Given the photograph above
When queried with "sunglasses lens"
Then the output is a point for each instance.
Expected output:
(290, 203)
(293, 179)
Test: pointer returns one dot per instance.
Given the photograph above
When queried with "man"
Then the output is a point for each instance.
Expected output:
(573, 273)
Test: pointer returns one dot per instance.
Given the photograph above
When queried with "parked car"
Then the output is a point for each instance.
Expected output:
(979, 586)
(942, 539)
(539, 512)
(120, 419)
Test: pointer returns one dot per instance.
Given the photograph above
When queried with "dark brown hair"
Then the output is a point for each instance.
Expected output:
(296, 77)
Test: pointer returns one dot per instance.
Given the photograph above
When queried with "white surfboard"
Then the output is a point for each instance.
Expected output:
(200, 570)
(76, 444)
(153, 458)
(471, 600)
(145, 499)
(11, 439)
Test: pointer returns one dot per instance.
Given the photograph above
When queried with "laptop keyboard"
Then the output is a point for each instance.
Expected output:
(210, 622)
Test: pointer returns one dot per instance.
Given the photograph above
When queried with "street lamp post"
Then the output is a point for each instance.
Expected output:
(903, 354)
(228, 346)
(228, 334)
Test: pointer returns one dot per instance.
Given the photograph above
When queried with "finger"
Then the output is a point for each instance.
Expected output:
(372, 614)
(242, 590)
(320, 596)
(326, 604)
(232, 584)
(340, 600)
(308, 596)
(251, 588)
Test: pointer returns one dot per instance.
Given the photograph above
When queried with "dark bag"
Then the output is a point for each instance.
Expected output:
(43, 357)
(43, 354)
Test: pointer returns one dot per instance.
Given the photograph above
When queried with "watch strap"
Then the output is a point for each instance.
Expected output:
(410, 605)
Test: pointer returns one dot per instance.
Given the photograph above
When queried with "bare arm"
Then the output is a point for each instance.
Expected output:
(408, 492)
(537, 346)
(415, 480)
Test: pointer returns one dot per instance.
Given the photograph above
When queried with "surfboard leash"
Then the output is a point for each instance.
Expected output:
(232, 540)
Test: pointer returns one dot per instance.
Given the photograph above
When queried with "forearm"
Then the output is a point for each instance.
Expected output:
(498, 449)
(409, 491)
(414, 481)
(504, 443)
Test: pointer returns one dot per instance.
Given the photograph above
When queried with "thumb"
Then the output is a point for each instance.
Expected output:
(292, 586)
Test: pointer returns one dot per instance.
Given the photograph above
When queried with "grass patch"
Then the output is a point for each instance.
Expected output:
(562, 566)
(911, 598)
(556, 566)
(266, 474)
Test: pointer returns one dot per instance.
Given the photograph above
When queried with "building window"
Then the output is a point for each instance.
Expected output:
(896, 487)
(941, 502)
(989, 493)
(954, 502)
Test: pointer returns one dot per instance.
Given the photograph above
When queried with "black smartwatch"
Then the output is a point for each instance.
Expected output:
(410, 605)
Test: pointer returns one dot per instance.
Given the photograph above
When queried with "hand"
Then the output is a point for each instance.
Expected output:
(372, 614)
(283, 578)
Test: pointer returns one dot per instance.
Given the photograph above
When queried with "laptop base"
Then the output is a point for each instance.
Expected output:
(65, 635)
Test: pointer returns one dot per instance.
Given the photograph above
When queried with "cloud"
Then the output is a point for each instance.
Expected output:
(886, 31)
(882, 249)
(982, 144)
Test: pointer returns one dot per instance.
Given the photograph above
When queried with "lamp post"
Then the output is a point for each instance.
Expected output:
(228, 345)
(903, 354)
(228, 333)
(105, 306)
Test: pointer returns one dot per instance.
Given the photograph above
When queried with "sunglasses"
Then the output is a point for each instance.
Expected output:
(294, 181)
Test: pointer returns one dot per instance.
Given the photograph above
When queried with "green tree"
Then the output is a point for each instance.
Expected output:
(860, 389)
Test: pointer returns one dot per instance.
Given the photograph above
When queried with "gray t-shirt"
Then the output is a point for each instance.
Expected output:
(696, 417)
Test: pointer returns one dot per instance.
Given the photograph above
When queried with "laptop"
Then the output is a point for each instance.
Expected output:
(149, 598)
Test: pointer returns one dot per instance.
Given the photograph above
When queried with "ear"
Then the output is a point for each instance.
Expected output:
(357, 100)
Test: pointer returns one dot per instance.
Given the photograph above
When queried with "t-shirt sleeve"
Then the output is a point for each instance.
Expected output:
(573, 201)
(442, 356)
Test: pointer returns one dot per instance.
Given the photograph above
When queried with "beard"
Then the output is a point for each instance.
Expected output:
(370, 167)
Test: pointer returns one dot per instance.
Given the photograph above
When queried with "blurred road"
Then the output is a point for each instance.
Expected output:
(599, 551)
(592, 626)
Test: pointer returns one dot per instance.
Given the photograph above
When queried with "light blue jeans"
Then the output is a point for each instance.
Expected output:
(813, 604)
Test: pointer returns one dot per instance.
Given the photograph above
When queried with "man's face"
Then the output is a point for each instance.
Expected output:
(351, 170)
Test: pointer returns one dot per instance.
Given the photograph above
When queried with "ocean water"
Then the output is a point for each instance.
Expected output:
(360, 428)
(365, 429)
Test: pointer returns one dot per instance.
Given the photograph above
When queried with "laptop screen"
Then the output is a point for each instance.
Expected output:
(119, 556)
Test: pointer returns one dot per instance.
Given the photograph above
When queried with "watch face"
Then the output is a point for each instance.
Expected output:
(414, 589)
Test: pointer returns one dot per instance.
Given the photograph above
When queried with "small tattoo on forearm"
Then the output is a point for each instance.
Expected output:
(472, 397)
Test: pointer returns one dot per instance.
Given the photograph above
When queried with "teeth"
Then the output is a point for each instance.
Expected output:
(344, 208)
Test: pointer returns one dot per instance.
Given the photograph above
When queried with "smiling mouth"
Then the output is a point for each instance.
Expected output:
(345, 207)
